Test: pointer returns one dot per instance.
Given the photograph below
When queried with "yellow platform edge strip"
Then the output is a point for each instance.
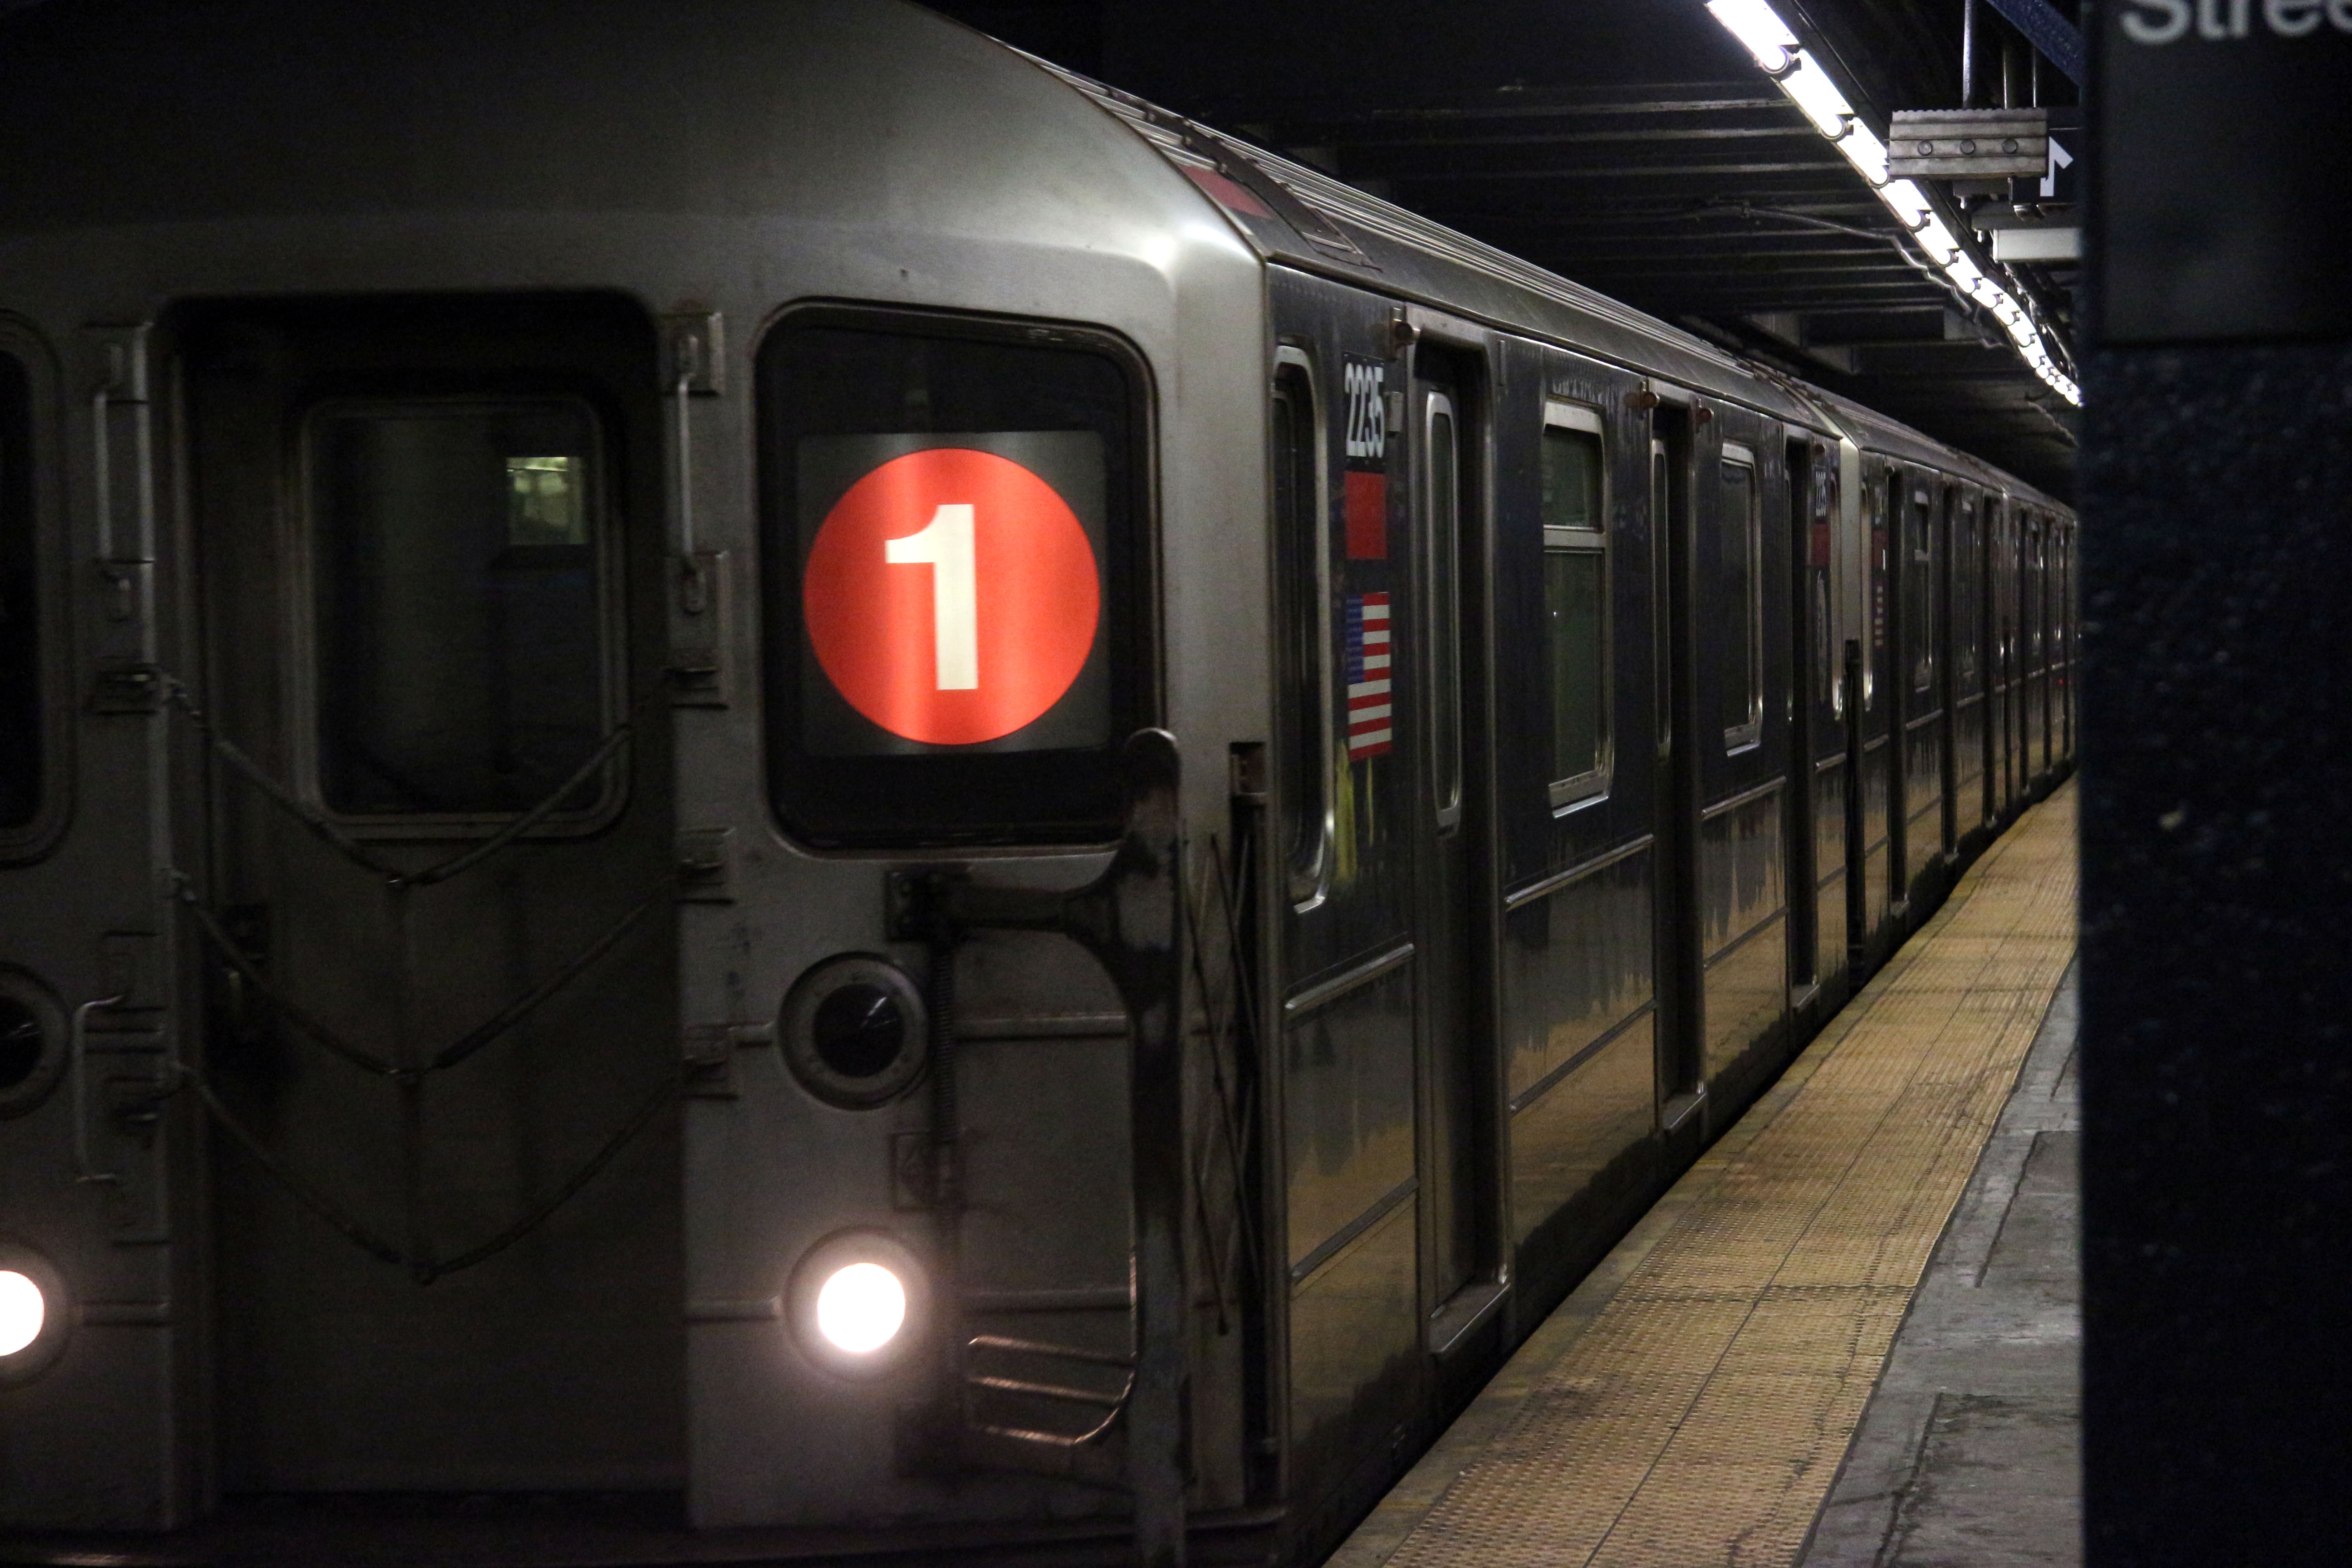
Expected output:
(1690, 1403)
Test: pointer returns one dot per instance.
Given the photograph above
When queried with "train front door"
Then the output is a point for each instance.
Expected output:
(434, 914)
(1449, 651)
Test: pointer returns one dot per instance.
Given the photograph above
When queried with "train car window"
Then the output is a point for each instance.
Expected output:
(1576, 603)
(1442, 615)
(1740, 573)
(20, 695)
(1821, 513)
(1964, 594)
(463, 648)
(1920, 589)
(951, 513)
(1302, 609)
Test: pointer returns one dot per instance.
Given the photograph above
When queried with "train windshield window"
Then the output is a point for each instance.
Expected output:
(20, 716)
(464, 665)
(1576, 594)
(1301, 543)
(1739, 577)
(950, 511)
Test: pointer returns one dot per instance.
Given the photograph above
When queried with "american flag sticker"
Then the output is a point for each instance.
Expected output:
(1370, 733)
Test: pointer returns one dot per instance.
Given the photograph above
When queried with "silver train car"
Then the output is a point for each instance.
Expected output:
(754, 755)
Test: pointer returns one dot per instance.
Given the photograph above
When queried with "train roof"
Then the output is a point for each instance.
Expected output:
(884, 122)
(1301, 216)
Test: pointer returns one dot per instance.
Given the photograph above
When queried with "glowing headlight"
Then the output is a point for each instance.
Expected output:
(22, 1311)
(861, 1308)
(859, 1302)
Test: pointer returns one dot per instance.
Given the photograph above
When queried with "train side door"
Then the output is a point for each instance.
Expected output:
(1812, 492)
(435, 914)
(1449, 650)
(1681, 1002)
(1948, 642)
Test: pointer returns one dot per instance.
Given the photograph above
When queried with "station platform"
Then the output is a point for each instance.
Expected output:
(1768, 1371)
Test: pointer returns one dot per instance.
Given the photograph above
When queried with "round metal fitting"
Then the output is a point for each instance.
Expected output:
(20, 1264)
(854, 1031)
(848, 1253)
(32, 1042)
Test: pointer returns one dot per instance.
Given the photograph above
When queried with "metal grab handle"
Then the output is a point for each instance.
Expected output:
(77, 1065)
(1131, 920)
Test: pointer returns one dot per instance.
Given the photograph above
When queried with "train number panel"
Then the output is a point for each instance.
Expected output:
(952, 595)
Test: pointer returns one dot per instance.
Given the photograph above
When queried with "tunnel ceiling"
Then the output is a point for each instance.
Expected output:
(1633, 146)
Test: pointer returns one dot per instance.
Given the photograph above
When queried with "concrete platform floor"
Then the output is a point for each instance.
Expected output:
(1970, 1455)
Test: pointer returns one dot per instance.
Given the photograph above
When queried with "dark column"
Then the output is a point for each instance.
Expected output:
(2217, 814)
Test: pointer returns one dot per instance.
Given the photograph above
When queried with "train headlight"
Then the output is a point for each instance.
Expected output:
(859, 1308)
(24, 1310)
(858, 1302)
(37, 1313)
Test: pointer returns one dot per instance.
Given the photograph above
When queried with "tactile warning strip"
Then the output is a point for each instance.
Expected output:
(1690, 1403)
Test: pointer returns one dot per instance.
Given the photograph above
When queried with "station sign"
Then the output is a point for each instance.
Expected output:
(2224, 168)
(952, 592)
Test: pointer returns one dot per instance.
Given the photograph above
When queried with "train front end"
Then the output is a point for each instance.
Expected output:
(646, 631)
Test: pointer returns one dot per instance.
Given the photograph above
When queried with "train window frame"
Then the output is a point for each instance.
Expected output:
(1305, 757)
(1006, 800)
(1591, 785)
(307, 686)
(1749, 734)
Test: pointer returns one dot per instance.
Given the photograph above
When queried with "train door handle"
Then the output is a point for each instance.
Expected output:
(78, 1067)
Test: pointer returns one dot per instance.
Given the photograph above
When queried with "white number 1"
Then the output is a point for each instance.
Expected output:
(945, 546)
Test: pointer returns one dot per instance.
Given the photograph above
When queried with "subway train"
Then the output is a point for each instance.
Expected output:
(760, 760)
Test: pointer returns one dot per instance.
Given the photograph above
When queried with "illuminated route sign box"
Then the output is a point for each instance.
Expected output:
(2223, 174)
(952, 592)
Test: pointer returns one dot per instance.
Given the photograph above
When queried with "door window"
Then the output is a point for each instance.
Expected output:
(1576, 603)
(1661, 644)
(464, 647)
(1302, 613)
(1442, 615)
(1739, 574)
(1919, 590)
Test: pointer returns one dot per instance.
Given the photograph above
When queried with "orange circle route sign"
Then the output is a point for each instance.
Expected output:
(951, 596)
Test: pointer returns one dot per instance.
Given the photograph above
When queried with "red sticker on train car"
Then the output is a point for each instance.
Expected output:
(1367, 497)
(951, 596)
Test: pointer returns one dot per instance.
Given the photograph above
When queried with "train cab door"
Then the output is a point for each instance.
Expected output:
(434, 918)
(1459, 1251)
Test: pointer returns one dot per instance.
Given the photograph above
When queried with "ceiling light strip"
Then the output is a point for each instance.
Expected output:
(1765, 37)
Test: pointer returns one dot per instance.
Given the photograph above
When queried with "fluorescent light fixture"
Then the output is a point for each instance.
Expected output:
(1764, 35)
(1758, 25)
